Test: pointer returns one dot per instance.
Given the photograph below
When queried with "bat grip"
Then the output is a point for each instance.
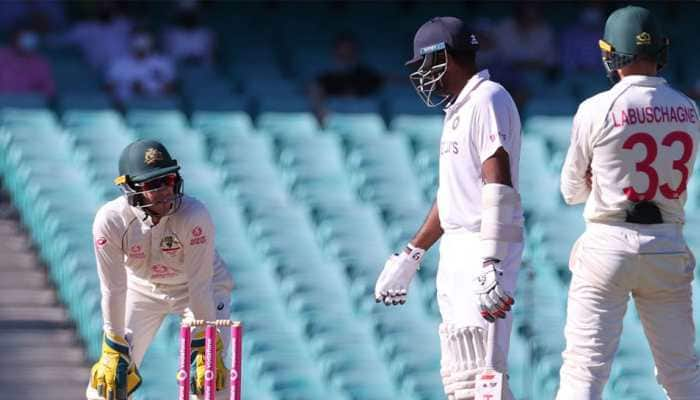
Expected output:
(491, 344)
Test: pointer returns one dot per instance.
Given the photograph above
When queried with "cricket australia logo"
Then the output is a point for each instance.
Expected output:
(643, 38)
(152, 156)
(170, 245)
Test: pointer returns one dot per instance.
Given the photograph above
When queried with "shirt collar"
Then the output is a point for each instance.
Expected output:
(146, 219)
(643, 80)
(472, 83)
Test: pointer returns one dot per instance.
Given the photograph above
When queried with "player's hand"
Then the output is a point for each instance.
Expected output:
(114, 376)
(392, 285)
(198, 363)
(494, 302)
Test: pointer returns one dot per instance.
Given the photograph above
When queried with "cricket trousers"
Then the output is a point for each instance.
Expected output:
(609, 263)
(460, 262)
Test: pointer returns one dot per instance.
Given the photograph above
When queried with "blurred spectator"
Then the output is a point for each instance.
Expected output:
(187, 40)
(526, 40)
(41, 15)
(102, 38)
(23, 69)
(579, 43)
(142, 72)
(348, 76)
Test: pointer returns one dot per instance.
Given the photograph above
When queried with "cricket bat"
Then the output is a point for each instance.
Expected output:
(489, 383)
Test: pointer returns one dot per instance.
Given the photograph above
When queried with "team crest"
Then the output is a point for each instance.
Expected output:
(170, 244)
(152, 156)
(643, 39)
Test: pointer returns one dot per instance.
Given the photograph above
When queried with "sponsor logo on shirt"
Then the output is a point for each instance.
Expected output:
(170, 245)
(100, 242)
(198, 236)
(160, 271)
(136, 251)
(449, 147)
(455, 122)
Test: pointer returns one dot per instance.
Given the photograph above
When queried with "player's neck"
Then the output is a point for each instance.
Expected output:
(461, 79)
(638, 68)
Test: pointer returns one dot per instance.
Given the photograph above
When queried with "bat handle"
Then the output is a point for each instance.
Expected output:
(491, 344)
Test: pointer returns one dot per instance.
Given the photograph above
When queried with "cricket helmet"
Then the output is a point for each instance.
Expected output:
(144, 166)
(630, 32)
(433, 40)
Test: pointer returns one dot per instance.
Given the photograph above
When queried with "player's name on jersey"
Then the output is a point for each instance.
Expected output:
(653, 115)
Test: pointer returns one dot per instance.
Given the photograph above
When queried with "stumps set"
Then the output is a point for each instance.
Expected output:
(210, 328)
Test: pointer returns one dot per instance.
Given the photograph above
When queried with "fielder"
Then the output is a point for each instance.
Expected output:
(477, 212)
(632, 151)
(155, 256)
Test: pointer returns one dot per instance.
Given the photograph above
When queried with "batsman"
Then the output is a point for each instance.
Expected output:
(155, 256)
(477, 212)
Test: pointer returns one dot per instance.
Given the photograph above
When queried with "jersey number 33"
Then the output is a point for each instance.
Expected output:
(645, 166)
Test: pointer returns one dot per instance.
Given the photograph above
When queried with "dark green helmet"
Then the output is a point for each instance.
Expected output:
(146, 165)
(631, 32)
(143, 160)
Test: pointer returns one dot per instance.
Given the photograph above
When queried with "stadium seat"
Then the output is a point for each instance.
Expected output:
(355, 126)
(288, 124)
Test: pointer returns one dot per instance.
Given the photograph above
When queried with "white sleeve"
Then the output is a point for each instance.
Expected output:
(578, 160)
(493, 126)
(199, 264)
(111, 271)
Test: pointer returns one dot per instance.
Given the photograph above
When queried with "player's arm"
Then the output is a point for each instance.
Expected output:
(576, 173)
(496, 169)
(112, 273)
(430, 232)
(499, 129)
(114, 375)
(199, 264)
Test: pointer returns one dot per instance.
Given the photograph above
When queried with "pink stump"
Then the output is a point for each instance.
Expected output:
(183, 373)
(210, 363)
(236, 355)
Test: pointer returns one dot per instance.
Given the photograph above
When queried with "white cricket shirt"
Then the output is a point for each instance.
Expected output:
(640, 140)
(178, 251)
(481, 119)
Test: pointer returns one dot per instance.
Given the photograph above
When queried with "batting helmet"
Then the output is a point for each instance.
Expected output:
(431, 44)
(631, 32)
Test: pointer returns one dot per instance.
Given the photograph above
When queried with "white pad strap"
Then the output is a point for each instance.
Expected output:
(498, 206)
(463, 356)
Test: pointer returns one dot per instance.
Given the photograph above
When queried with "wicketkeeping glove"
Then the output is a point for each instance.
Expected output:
(198, 363)
(114, 376)
(494, 302)
(392, 285)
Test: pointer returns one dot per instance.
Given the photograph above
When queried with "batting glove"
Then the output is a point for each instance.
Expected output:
(494, 301)
(392, 285)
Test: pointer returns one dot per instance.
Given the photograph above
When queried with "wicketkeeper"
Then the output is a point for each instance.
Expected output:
(155, 256)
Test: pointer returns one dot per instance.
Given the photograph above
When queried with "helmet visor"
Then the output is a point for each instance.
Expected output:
(426, 80)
